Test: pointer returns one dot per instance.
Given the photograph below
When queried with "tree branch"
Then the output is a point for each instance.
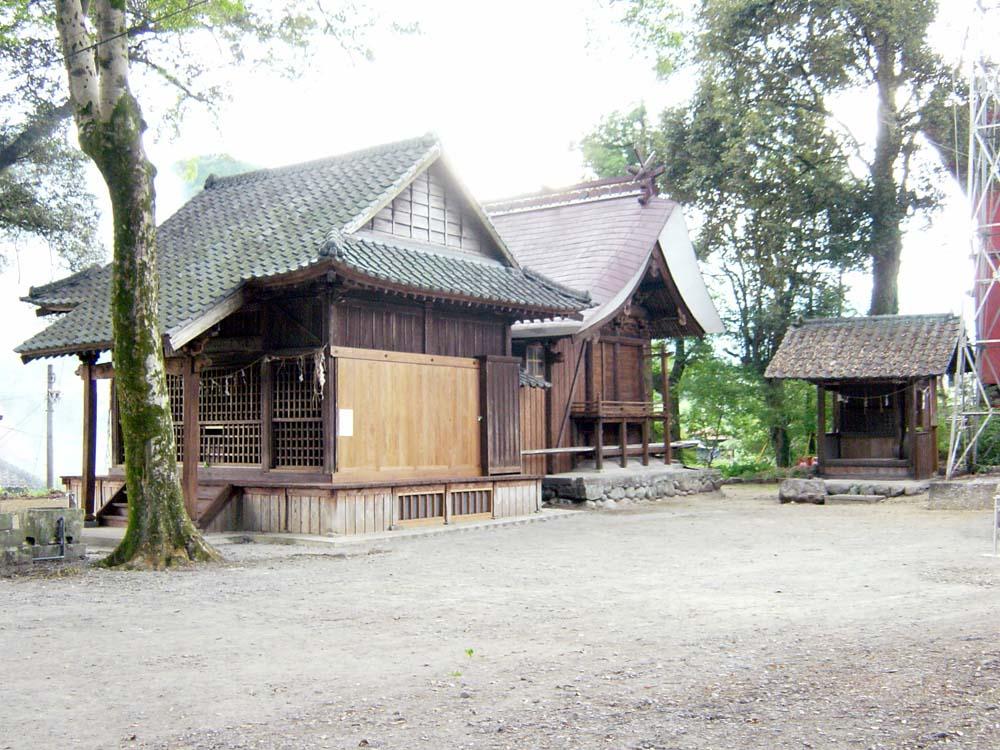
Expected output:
(41, 126)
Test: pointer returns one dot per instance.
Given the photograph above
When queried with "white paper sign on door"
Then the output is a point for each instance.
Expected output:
(345, 422)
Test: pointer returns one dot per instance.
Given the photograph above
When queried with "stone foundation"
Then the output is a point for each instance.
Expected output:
(30, 534)
(618, 486)
(819, 491)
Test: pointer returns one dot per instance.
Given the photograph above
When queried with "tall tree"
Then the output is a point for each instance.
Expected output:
(97, 41)
(808, 52)
(182, 44)
(781, 217)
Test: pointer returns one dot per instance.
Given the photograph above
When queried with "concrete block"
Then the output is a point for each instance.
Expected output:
(40, 524)
(853, 499)
(963, 494)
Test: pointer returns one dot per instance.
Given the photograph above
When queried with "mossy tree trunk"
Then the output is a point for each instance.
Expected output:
(774, 400)
(888, 209)
(160, 533)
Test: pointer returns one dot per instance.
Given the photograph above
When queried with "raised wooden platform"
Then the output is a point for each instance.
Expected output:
(345, 508)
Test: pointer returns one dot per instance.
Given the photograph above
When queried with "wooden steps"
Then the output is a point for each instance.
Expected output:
(211, 499)
(114, 514)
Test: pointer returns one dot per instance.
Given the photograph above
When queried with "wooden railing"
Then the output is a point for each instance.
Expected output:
(617, 409)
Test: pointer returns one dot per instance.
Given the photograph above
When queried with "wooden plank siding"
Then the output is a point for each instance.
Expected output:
(532, 407)
(416, 327)
(414, 416)
(562, 394)
(323, 512)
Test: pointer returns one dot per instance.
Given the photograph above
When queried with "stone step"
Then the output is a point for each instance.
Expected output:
(853, 499)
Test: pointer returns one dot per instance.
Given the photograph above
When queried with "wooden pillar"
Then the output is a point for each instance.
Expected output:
(820, 425)
(88, 500)
(911, 421)
(191, 437)
(645, 441)
(330, 415)
(266, 413)
(623, 442)
(668, 456)
(430, 345)
(599, 441)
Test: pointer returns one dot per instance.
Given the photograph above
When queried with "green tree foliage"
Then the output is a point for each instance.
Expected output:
(176, 45)
(197, 169)
(803, 54)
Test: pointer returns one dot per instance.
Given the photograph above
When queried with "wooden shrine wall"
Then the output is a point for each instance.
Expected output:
(418, 328)
(533, 428)
(411, 415)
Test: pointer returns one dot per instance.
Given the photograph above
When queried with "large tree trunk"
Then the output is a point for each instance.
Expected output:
(159, 533)
(774, 400)
(886, 209)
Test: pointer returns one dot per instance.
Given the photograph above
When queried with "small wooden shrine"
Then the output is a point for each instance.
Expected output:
(877, 382)
(630, 250)
(338, 343)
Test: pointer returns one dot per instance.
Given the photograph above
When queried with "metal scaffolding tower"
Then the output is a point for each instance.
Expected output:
(978, 373)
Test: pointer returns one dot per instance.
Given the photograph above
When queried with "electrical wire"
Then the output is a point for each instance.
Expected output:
(90, 47)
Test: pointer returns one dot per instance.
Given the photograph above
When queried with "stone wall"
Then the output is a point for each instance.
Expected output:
(607, 489)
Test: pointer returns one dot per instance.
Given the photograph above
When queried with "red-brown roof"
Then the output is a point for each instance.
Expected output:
(600, 238)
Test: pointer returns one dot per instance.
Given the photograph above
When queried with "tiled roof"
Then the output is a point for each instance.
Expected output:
(881, 347)
(275, 221)
(526, 380)
(593, 239)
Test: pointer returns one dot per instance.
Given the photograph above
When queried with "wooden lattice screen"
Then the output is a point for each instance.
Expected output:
(420, 506)
(297, 422)
(175, 392)
(229, 414)
(471, 502)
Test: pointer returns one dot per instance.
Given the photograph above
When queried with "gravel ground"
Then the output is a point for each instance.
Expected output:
(718, 621)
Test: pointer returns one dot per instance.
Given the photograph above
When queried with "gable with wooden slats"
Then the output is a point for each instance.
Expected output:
(432, 209)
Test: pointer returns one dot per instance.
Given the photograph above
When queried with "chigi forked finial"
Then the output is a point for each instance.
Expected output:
(646, 173)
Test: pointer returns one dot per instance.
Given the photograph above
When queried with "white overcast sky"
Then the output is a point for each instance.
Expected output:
(509, 87)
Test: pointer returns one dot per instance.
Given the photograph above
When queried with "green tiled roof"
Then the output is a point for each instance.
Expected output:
(273, 222)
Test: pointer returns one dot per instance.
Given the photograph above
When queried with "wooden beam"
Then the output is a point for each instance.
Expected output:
(191, 437)
(599, 444)
(668, 454)
(820, 426)
(645, 442)
(266, 413)
(623, 442)
(330, 416)
(88, 501)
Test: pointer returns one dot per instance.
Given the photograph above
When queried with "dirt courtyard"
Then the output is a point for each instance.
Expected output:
(716, 621)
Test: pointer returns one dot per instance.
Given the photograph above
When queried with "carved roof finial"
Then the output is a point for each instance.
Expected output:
(646, 173)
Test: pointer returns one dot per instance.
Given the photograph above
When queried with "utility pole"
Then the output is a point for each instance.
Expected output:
(51, 396)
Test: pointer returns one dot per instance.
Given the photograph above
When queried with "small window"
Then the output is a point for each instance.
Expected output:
(534, 360)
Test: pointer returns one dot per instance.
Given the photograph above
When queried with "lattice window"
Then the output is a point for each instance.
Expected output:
(229, 415)
(471, 502)
(421, 506)
(175, 392)
(297, 421)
